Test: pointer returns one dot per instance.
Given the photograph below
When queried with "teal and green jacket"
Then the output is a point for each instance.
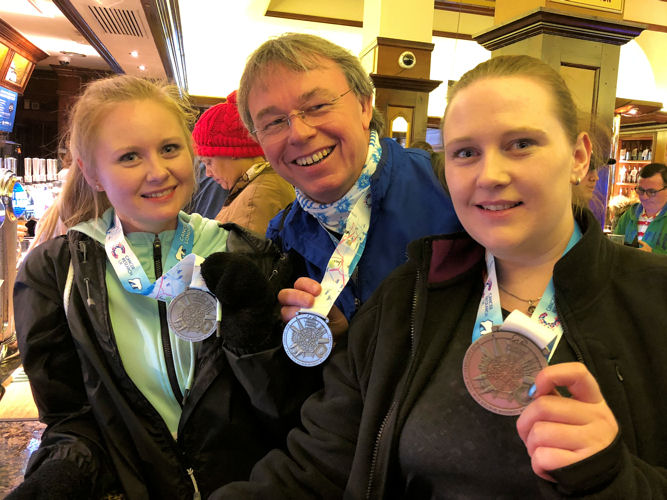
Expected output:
(656, 232)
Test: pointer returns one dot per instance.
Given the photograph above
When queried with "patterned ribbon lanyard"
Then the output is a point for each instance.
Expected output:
(183, 284)
(307, 338)
(134, 278)
(543, 327)
(500, 366)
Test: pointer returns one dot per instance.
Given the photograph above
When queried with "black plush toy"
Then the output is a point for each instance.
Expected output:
(247, 285)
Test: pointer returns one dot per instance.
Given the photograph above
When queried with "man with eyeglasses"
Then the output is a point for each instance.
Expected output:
(645, 223)
(309, 104)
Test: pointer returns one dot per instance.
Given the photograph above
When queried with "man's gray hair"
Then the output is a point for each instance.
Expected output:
(300, 52)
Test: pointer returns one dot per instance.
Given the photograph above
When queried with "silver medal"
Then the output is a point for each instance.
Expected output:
(307, 339)
(192, 315)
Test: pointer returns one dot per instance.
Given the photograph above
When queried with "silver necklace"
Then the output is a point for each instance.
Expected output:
(532, 303)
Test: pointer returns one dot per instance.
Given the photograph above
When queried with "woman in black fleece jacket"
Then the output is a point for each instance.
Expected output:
(396, 418)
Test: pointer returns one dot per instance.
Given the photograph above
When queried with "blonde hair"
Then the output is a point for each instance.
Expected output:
(300, 52)
(49, 225)
(78, 201)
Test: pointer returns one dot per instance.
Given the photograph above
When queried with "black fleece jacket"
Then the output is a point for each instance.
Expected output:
(102, 434)
(612, 301)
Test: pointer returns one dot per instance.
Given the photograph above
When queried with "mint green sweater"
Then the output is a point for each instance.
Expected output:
(135, 319)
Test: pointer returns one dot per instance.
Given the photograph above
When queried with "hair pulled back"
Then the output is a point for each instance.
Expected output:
(530, 67)
(79, 201)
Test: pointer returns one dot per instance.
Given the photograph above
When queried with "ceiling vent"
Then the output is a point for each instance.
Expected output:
(120, 32)
(118, 21)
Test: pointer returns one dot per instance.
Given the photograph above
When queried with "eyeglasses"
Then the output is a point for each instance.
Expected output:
(276, 127)
(648, 192)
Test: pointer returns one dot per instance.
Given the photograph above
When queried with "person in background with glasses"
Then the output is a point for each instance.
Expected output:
(309, 104)
(645, 223)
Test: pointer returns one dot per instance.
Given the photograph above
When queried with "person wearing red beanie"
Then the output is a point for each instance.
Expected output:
(236, 162)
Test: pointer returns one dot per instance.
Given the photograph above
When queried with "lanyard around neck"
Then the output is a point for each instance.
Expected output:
(182, 264)
(345, 257)
(544, 323)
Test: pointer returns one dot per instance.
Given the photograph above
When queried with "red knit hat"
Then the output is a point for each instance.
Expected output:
(220, 132)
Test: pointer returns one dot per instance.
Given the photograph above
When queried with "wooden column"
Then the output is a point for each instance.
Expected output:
(397, 55)
(583, 48)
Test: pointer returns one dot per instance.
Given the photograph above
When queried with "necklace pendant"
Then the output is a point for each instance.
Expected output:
(531, 309)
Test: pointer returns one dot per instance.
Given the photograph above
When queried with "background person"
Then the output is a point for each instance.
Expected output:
(437, 161)
(131, 407)
(209, 196)
(309, 104)
(583, 190)
(236, 162)
(395, 419)
(645, 223)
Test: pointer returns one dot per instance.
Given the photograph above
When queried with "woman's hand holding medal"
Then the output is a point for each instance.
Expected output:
(559, 431)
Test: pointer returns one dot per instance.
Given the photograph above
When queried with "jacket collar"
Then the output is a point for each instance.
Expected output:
(447, 256)
(587, 265)
(638, 209)
(305, 233)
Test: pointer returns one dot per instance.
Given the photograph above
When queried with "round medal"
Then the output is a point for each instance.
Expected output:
(192, 314)
(499, 368)
(307, 339)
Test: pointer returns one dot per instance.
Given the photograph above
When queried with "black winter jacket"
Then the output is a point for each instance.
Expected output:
(612, 301)
(238, 407)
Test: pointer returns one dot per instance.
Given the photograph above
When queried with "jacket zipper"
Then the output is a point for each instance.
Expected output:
(197, 495)
(570, 341)
(394, 404)
(164, 327)
(157, 257)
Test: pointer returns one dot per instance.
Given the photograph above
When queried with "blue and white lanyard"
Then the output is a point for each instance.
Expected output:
(543, 327)
(351, 246)
(344, 258)
(183, 265)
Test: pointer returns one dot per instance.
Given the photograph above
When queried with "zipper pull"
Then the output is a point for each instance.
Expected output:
(218, 318)
(83, 249)
(89, 300)
(197, 495)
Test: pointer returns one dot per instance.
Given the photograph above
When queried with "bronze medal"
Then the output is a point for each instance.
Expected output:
(307, 339)
(499, 368)
(192, 315)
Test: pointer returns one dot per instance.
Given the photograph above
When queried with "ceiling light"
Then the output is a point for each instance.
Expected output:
(38, 8)
(72, 54)
(134, 53)
(142, 67)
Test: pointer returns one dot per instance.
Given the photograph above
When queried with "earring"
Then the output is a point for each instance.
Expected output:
(576, 181)
(98, 186)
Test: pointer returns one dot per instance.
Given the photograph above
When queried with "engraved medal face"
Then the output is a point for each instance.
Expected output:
(498, 370)
(307, 339)
(192, 315)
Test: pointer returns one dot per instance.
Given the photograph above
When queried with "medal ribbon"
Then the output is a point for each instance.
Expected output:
(182, 264)
(543, 327)
(345, 257)
(349, 249)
